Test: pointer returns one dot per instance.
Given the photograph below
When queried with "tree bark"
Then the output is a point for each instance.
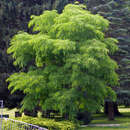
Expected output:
(115, 107)
(106, 108)
(110, 111)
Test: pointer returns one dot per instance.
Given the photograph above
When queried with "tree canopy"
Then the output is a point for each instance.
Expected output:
(67, 61)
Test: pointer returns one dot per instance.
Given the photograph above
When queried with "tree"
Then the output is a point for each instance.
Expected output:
(67, 61)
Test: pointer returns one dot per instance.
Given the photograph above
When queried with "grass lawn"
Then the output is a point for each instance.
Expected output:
(124, 121)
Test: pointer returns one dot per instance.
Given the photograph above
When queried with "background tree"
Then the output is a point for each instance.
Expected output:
(67, 61)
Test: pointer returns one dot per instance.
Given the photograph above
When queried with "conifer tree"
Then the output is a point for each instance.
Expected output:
(67, 61)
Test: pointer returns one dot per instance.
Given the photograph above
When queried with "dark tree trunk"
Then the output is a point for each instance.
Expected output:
(115, 108)
(106, 108)
(110, 111)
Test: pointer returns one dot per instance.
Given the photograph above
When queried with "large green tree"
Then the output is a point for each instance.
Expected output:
(67, 61)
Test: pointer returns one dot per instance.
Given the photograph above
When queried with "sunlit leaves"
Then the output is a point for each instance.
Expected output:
(43, 22)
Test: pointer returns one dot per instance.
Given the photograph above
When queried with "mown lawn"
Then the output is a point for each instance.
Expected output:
(124, 121)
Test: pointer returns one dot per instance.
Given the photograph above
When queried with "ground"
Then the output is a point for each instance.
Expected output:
(100, 120)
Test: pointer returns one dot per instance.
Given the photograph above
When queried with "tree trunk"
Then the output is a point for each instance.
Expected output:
(110, 111)
(115, 107)
(106, 108)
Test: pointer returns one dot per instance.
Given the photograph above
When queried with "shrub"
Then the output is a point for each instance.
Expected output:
(51, 124)
(85, 117)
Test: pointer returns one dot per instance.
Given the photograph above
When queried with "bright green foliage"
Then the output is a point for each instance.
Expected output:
(50, 124)
(67, 60)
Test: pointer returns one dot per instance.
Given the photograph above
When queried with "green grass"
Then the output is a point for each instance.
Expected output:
(124, 121)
